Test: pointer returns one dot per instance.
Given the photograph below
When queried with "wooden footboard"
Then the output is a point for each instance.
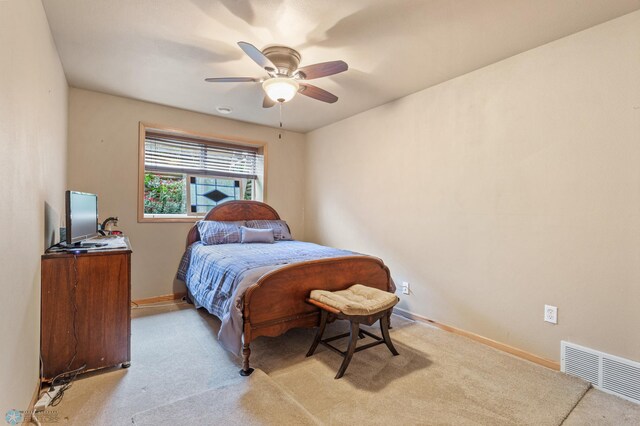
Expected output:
(276, 303)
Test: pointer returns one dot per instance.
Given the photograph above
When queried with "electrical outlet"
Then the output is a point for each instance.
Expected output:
(405, 287)
(551, 314)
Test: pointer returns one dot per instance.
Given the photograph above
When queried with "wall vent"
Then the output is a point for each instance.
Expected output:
(606, 372)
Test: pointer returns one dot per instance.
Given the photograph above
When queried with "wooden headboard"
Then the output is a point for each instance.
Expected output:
(235, 210)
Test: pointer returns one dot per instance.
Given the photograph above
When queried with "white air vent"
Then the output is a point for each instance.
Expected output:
(609, 373)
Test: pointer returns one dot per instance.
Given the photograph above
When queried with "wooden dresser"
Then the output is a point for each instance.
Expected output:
(85, 310)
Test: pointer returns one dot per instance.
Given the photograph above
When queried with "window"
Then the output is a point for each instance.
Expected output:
(184, 175)
(207, 192)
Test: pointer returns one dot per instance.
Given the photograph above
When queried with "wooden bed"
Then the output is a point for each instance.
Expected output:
(276, 302)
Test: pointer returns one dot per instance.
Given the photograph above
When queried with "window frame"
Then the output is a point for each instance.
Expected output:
(197, 137)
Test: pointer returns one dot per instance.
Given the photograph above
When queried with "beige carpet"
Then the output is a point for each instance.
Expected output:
(439, 378)
(599, 408)
(254, 401)
(174, 355)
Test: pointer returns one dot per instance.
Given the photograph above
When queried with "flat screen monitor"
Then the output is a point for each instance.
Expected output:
(82, 216)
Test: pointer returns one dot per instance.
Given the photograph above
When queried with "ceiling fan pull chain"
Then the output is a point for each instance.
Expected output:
(280, 134)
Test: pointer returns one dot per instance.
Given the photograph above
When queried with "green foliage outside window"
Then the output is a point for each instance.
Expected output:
(164, 194)
(248, 190)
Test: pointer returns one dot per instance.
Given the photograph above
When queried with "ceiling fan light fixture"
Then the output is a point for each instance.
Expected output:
(281, 89)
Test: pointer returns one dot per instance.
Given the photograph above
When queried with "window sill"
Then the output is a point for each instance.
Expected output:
(169, 218)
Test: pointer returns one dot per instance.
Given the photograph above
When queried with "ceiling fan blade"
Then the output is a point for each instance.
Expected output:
(257, 56)
(323, 69)
(267, 102)
(317, 93)
(232, 80)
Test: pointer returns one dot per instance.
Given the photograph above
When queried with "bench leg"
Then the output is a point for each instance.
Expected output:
(384, 328)
(323, 323)
(355, 331)
(246, 353)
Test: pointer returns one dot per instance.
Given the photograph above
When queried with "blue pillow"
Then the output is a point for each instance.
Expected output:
(280, 228)
(253, 235)
(215, 232)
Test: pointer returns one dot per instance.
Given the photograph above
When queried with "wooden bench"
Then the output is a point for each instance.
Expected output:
(358, 304)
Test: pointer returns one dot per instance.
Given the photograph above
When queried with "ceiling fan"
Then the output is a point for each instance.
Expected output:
(285, 78)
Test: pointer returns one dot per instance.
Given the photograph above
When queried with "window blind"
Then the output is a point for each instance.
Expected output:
(166, 154)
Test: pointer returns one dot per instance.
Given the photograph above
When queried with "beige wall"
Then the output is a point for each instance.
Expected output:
(499, 191)
(33, 133)
(103, 159)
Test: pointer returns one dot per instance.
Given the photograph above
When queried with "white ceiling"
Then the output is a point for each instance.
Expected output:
(161, 50)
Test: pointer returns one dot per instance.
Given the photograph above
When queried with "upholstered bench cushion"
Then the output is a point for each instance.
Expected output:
(356, 300)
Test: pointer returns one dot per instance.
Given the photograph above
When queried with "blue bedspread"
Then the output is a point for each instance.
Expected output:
(213, 273)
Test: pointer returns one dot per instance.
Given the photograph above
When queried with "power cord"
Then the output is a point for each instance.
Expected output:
(60, 383)
(35, 420)
(65, 380)
(75, 310)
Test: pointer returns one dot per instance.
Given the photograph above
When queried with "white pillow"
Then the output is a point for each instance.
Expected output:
(253, 235)
(280, 228)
